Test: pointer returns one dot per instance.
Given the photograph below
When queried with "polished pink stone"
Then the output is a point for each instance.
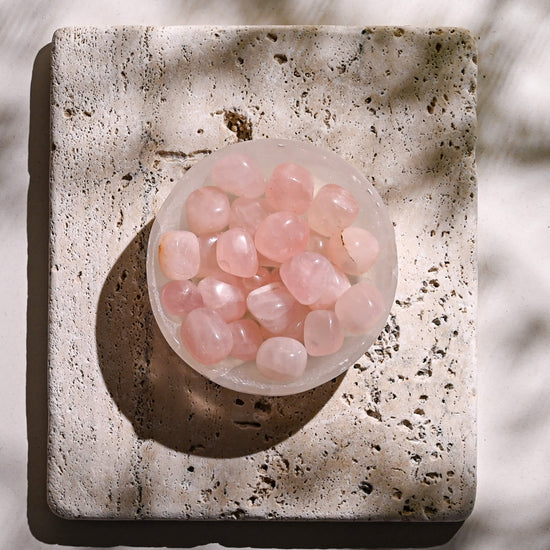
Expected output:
(247, 338)
(354, 251)
(272, 306)
(237, 174)
(248, 213)
(236, 252)
(281, 358)
(262, 277)
(178, 298)
(207, 247)
(317, 243)
(226, 299)
(179, 256)
(206, 336)
(295, 327)
(281, 235)
(290, 188)
(359, 308)
(323, 334)
(207, 210)
(332, 210)
(336, 286)
(306, 275)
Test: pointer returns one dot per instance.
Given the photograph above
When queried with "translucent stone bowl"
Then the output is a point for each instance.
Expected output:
(326, 167)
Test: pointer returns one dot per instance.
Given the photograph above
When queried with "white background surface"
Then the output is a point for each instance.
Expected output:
(513, 504)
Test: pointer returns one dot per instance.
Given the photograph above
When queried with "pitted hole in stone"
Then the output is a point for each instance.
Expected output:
(272, 36)
(280, 58)
(366, 487)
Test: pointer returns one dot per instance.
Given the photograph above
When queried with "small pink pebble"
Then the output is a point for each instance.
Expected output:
(178, 298)
(207, 248)
(317, 243)
(179, 256)
(226, 299)
(207, 210)
(206, 336)
(359, 308)
(261, 278)
(336, 286)
(306, 275)
(281, 235)
(272, 306)
(247, 338)
(237, 174)
(354, 251)
(322, 333)
(290, 188)
(282, 358)
(236, 253)
(248, 213)
(332, 210)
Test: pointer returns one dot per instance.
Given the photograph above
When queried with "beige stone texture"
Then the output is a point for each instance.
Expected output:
(133, 432)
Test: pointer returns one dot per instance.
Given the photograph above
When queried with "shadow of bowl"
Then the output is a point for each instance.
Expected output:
(164, 398)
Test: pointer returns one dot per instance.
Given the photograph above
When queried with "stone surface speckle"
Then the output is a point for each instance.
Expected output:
(133, 432)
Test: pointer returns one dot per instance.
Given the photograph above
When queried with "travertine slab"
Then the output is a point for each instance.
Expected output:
(136, 434)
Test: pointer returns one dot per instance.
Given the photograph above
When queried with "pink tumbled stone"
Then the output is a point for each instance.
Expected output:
(332, 210)
(179, 256)
(306, 275)
(317, 243)
(178, 298)
(247, 338)
(227, 300)
(282, 358)
(207, 247)
(290, 188)
(206, 336)
(323, 334)
(236, 253)
(237, 174)
(359, 308)
(295, 328)
(248, 213)
(272, 306)
(207, 210)
(281, 235)
(354, 251)
(336, 286)
(262, 277)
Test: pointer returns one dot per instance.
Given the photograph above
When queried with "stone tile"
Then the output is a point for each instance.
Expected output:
(136, 434)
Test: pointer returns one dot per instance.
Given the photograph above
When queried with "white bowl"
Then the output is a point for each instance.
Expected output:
(326, 167)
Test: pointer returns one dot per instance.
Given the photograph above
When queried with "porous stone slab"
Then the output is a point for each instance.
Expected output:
(133, 432)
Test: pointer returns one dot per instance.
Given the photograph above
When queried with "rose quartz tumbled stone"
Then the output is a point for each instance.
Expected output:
(290, 188)
(206, 336)
(207, 248)
(272, 306)
(247, 338)
(337, 284)
(317, 243)
(179, 256)
(354, 251)
(236, 252)
(237, 174)
(295, 327)
(332, 210)
(178, 298)
(323, 334)
(306, 275)
(281, 235)
(248, 213)
(207, 210)
(359, 308)
(226, 299)
(281, 358)
(262, 277)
